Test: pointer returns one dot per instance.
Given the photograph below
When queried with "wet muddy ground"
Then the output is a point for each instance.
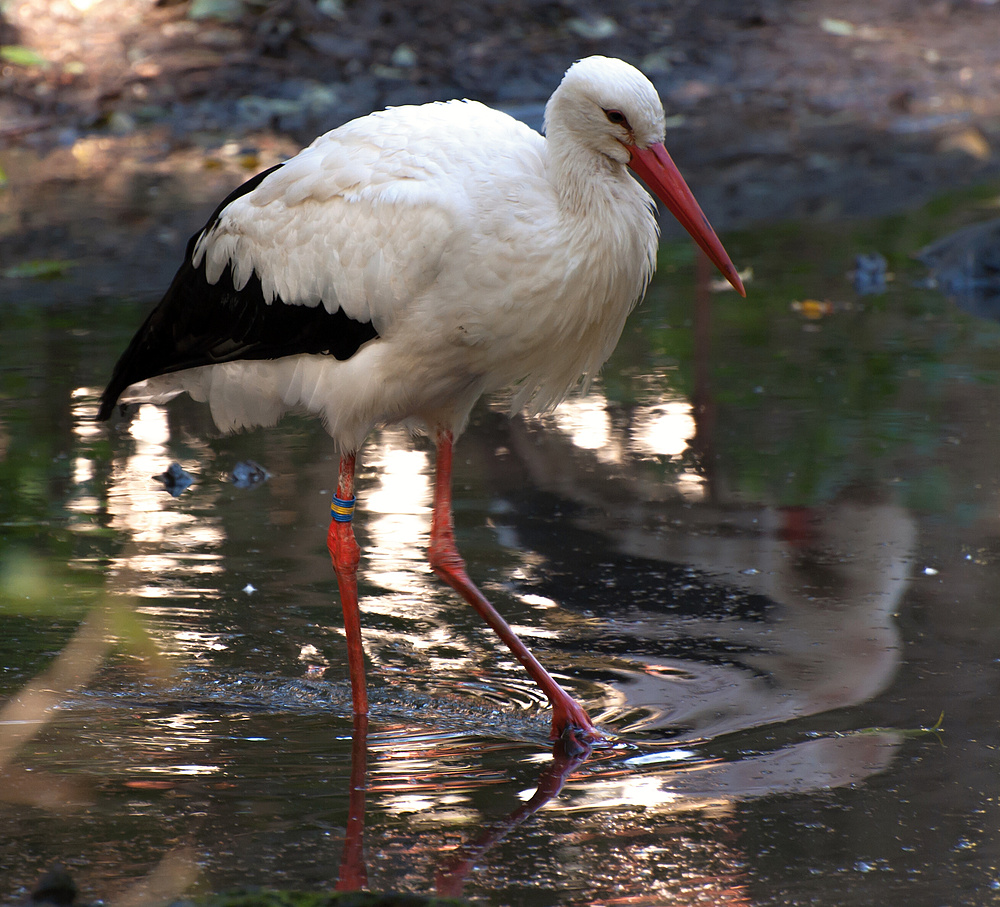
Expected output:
(127, 118)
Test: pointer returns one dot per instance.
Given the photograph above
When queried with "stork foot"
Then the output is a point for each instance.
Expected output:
(572, 728)
(574, 742)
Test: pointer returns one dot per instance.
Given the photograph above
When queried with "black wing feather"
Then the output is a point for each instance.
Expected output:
(201, 323)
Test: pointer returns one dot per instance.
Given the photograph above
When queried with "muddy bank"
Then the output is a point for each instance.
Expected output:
(135, 116)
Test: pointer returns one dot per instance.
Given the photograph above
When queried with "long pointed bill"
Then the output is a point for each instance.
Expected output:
(654, 166)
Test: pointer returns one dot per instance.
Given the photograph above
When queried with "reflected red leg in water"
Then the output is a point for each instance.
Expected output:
(346, 555)
(353, 874)
(570, 721)
(452, 875)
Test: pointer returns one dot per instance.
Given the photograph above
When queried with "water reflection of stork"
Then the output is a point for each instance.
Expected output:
(722, 615)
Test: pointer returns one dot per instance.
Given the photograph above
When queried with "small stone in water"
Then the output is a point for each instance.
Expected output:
(248, 474)
(175, 479)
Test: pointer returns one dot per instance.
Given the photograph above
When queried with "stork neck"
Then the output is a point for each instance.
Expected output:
(586, 181)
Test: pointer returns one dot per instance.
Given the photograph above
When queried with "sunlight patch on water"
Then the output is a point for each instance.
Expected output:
(84, 501)
(189, 771)
(662, 757)
(194, 643)
(171, 553)
(397, 513)
(663, 429)
(81, 408)
(537, 601)
(586, 421)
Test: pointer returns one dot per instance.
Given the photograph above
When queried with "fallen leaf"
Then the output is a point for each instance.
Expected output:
(813, 308)
(970, 141)
(38, 269)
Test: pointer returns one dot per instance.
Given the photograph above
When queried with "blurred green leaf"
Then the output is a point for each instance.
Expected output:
(21, 56)
(38, 269)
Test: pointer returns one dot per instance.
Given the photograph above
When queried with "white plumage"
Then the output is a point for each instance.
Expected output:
(467, 252)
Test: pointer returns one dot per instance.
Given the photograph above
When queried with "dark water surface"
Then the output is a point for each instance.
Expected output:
(764, 551)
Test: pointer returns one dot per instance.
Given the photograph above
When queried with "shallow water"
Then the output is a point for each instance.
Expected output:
(763, 551)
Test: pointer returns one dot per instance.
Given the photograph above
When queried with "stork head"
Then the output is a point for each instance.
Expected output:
(607, 105)
(611, 109)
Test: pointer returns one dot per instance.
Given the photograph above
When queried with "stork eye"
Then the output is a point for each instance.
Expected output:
(616, 117)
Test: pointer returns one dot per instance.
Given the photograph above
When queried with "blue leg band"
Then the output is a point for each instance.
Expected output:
(342, 511)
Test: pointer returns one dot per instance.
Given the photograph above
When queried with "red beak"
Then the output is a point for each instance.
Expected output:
(654, 166)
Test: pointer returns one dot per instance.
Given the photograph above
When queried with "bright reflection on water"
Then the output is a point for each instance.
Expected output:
(767, 563)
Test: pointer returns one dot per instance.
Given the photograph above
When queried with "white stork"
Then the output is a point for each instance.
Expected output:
(408, 262)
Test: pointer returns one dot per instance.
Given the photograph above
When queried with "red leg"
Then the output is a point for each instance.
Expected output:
(569, 720)
(353, 874)
(346, 556)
